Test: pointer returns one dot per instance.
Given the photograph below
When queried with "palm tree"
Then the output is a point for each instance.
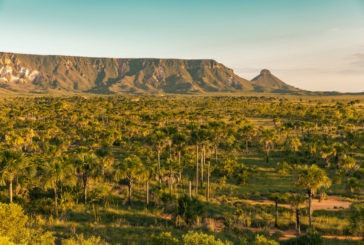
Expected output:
(150, 172)
(55, 173)
(87, 166)
(277, 198)
(179, 140)
(327, 152)
(131, 169)
(217, 130)
(208, 182)
(198, 135)
(105, 158)
(296, 202)
(12, 165)
(158, 140)
(246, 133)
(171, 167)
(267, 138)
(312, 179)
(294, 144)
(195, 139)
(348, 165)
(276, 122)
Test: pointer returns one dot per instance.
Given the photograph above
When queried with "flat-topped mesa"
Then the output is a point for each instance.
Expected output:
(38, 73)
(52, 73)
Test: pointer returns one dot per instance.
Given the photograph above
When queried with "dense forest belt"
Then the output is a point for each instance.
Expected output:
(167, 170)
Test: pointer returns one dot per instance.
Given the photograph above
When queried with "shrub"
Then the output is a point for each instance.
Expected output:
(189, 208)
(311, 238)
(165, 196)
(164, 238)
(81, 240)
(193, 238)
(101, 194)
(359, 174)
(356, 219)
(262, 240)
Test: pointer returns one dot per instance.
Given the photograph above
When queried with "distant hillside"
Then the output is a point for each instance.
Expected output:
(42, 74)
(267, 82)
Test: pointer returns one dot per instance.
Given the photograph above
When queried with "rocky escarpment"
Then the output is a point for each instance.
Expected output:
(20, 72)
(37, 73)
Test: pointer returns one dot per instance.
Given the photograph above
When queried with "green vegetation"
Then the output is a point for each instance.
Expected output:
(181, 170)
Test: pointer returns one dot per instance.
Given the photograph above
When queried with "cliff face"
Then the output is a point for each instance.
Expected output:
(27, 73)
(42, 74)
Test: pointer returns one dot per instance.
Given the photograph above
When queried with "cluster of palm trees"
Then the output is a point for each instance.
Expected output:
(60, 142)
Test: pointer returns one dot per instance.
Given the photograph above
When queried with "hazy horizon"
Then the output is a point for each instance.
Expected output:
(308, 44)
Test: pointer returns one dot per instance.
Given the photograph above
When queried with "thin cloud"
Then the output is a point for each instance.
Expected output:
(358, 60)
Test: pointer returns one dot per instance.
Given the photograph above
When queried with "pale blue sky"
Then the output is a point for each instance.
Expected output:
(311, 44)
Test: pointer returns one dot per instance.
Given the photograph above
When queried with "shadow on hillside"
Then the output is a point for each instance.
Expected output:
(126, 217)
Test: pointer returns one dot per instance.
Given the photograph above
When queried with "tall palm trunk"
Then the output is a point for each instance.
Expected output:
(309, 208)
(147, 193)
(179, 165)
(298, 224)
(170, 150)
(159, 166)
(208, 182)
(201, 166)
(11, 190)
(216, 154)
(189, 189)
(267, 156)
(196, 186)
(129, 190)
(276, 215)
(55, 201)
(170, 181)
(85, 183)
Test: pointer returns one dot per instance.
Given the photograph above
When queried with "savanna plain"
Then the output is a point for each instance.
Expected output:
(186, 170)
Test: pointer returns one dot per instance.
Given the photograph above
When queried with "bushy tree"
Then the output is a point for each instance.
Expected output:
(5, 241)
(12, 219)
(14, 228)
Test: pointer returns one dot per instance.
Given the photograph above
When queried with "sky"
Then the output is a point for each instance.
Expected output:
(311, 44)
